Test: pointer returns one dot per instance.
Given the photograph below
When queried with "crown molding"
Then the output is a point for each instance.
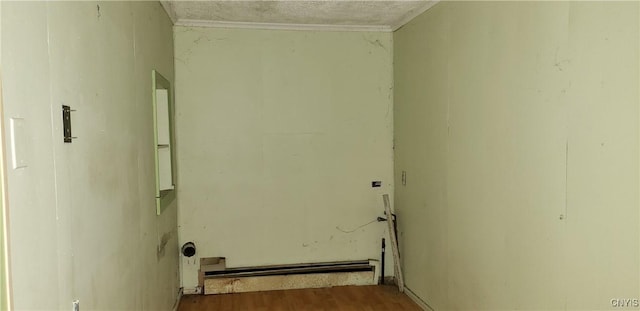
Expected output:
(168, 8)
(414, 13)
(278, 26)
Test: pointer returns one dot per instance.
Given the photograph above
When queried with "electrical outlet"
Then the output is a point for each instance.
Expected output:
(76, 305)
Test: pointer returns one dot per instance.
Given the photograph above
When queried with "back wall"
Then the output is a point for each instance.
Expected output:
(279, 135)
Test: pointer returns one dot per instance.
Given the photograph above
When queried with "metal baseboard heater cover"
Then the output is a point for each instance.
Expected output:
(296, 276)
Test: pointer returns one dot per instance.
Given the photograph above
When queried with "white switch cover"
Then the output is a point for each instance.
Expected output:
(18, 143)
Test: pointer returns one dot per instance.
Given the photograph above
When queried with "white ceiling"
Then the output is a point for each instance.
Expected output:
(336, 14)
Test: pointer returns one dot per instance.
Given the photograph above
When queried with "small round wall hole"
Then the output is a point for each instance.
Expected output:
(188, 249)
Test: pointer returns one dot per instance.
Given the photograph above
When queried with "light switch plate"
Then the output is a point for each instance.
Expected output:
(18, 143)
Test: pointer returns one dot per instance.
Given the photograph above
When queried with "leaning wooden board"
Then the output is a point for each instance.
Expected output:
(394, 242)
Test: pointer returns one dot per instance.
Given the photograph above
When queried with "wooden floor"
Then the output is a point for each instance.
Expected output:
(366, 298)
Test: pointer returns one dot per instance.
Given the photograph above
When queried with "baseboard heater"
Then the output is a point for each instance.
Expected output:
(295, 276)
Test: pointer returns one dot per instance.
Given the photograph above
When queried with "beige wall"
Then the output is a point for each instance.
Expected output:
(82, 215)
(279, 135)
(517, 125)
(5, 303)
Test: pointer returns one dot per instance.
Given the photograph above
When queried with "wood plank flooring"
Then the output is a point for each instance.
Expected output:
(343, 298)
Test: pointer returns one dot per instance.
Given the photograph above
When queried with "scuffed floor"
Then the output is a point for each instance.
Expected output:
(366, 298)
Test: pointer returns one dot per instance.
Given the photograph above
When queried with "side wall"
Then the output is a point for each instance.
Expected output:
(5, 303)
(280, 134)
(517, 126)
(82, 215)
